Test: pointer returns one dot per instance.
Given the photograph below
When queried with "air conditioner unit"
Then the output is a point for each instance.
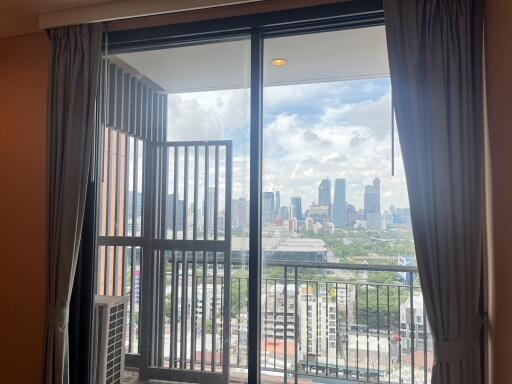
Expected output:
(109, 346)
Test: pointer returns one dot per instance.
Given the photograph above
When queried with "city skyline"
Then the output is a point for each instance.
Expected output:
(273, 210)
(311, 131)
(371, 210)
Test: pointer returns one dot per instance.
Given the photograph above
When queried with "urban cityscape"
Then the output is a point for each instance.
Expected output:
(340, 294)
(328, 213)
(336, 322)
(331, 230)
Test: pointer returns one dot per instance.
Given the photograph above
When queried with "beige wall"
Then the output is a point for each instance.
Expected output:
(23, 88)
(498, 41)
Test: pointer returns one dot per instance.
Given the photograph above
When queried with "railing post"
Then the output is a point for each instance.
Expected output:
(337, 329)
(399, 339)
(412, 327)
(238, 324)
(378, 334)
(265, 322)
(357, 333)
(285, 314)
(389, 335)
(296, 312)
(346, 330)
(327, 329)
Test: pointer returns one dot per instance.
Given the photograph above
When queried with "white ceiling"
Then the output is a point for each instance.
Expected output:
(21, 16)
(320, 57)
(28, 16)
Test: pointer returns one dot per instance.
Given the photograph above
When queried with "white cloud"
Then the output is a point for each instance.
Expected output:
(207, 115)
(350, 140)
(313, 131)
(374, 115)
(279, 98)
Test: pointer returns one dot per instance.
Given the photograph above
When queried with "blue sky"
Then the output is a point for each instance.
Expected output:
(311, 131)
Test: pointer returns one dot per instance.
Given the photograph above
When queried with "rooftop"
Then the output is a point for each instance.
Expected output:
(289, 244)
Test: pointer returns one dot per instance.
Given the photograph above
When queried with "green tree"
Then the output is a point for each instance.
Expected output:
(373, 315)
(239, 296)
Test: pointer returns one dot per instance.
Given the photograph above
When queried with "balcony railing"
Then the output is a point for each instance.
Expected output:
(320, 321)
(331, 320)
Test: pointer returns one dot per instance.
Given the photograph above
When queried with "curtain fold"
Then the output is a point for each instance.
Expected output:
(74, 66)
(435, 57)
(81, 307)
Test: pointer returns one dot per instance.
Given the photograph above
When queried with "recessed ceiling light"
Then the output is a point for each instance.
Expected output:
(279, 62)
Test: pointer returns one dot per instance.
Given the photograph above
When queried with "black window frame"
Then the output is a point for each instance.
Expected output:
(341, 15)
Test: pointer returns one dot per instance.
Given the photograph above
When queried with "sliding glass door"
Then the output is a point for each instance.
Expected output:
(184, 182)
(339, 295)
(253, 203)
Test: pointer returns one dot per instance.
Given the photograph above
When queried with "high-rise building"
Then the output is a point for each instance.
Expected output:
(268, 210)
(284, 213)
(278, 204)
(324, 192)
(340, 203)
(402, 216)
(292, 224)
(376, 185)
(351, 215)
(372, 205)
(371, 200)
(240, 213)
(422, 334)
(180, 213)
(318, 329)
(211, 208)
(324, 195)
(319, 213)
(296, 203)
(136, 205)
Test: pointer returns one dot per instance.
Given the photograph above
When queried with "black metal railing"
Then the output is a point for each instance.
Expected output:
(339, 321)
(321, 320)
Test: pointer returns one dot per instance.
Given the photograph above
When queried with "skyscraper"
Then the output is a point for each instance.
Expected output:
(351, 215)
(180, 213)
(284, 213)
(240, 213)
(324, 192)
(268, 210)
(211, 208)
(376, 185)
(137, 204)
(278, 204)
(296, 203)
(372, 198)
(340, 203)
(372, 205)
(324, 195)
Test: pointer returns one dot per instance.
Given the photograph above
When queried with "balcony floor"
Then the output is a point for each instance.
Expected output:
(132, 377)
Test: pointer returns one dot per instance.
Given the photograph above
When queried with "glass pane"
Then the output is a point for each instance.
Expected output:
(206, 121)
(331, 207)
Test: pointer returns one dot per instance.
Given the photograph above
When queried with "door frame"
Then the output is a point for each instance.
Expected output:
(348, 14)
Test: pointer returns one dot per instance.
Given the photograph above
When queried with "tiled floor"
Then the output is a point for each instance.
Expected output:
(155, 382)
(132, 378)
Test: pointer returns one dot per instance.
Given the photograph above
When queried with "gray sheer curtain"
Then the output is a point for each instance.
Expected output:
(73, 84)
(435, 55)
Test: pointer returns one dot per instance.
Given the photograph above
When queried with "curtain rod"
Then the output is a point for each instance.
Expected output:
(212, 13)
(124, 9)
